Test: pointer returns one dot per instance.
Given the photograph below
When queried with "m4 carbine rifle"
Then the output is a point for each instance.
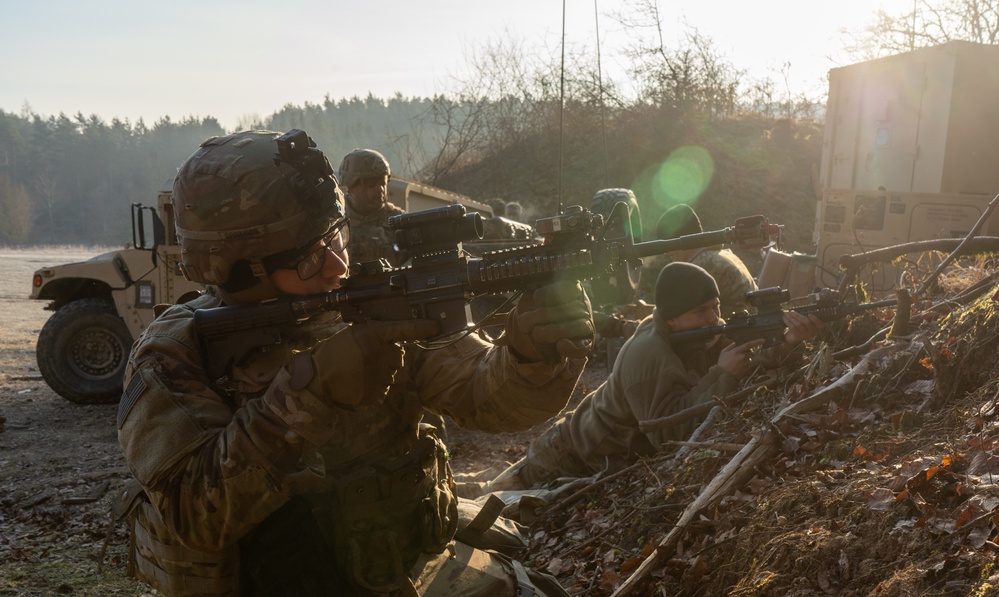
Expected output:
(768, 322)
(441, 278)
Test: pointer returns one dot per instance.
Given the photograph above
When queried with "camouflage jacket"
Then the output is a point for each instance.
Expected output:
(732, 276)
(369, 239)
(217, 462)
(649, 380)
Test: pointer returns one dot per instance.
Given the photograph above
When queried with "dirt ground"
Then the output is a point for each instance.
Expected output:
(888, 486)
(60, 463)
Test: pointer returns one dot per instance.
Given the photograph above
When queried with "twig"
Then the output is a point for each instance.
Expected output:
(93, 497)
(696, 435)
(598, 483)
(699, 409)
(931, 279)
(742, 465)
(720, 446)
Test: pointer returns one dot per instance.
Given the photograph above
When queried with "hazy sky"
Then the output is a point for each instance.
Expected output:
(230, 59)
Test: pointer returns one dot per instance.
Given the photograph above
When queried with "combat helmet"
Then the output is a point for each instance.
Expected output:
(362, 163)
(243, 200)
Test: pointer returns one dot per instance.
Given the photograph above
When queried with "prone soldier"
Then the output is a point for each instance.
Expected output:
(651, 378)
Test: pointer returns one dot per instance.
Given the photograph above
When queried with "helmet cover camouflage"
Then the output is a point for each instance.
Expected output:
(362, 163)
(235, 205)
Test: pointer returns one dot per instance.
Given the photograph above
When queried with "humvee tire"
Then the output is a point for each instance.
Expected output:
(618, 288)
(82, 351)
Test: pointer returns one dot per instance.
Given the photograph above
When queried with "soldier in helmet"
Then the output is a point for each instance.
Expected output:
(364, 174)
(731, 274)
(514, 211)
(302, 469)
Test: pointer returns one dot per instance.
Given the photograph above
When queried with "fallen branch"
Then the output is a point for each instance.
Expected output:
(759, 450)
(93, 497)
(979, 244)
(961, 248)
(573, 498)
(699, 409)
(719, 446)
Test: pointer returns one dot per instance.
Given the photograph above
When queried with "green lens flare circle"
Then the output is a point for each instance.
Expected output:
(684, 175)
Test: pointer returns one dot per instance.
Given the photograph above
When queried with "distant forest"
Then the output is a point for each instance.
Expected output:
(691, 128)
(70, 180)
(530, 126)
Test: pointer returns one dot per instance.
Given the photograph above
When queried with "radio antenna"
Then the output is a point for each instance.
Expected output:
(600, 90)
(561, 111)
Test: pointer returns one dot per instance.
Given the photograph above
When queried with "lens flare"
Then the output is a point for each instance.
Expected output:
(682, 178)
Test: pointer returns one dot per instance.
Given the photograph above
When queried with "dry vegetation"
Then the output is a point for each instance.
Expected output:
(883, 485)
(871, 474)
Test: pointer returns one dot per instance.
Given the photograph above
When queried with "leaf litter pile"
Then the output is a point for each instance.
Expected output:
(869, 471)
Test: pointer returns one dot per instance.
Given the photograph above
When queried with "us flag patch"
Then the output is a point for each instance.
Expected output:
(135, 387)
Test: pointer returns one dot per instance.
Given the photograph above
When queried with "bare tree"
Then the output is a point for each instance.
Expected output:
(491, 105)
(48, 188)
(15, 205)
(249, 121)
(683, 70)
(929, 23)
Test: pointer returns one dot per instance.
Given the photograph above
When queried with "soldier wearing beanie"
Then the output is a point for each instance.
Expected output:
(651, 378)
(733, 277)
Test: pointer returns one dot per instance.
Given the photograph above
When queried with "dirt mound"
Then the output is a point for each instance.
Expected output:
(869, 474)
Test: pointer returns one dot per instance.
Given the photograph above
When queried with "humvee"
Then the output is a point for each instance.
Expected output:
(102, 305)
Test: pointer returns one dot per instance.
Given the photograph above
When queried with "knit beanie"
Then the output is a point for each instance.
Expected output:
(681, 287)
(679, 220)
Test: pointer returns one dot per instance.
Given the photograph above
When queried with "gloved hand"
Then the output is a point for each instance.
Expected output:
(552, 323)
(737, 359)
(359, 362)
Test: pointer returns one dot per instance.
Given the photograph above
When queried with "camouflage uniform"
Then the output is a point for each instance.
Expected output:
(732, 276)
(369, 239)
(256, 479)
(649, 380)
(216, 462)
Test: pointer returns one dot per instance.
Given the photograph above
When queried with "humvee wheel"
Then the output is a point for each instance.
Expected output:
(618, 288)
(82, 351)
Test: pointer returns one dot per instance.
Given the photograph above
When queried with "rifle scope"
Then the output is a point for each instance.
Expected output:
(435, 230)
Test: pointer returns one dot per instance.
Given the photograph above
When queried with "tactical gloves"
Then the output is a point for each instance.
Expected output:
(359, 362)
(552, 323)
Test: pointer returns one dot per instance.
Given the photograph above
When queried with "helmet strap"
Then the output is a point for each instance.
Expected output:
(248, 282)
